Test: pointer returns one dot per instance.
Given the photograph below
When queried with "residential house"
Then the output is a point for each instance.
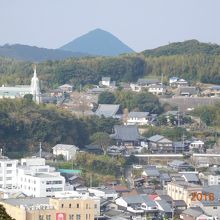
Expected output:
(188, 91)
(143, 84)
(68, 151)
(180, 147)
(160, 144)
(138, 118)
(197, 145)
(150, 173)
(106, 81)
(179, 83)
(108, 110)
(66, 88)
(164, 178)
(105, 193)
(93, 149)
(127, 135)
(183, 191)
(191, 177)
(173, 79)
(195, 213)
(213, 91)
(139, 204)
(157, 89)
(165, 209)
(179, 165)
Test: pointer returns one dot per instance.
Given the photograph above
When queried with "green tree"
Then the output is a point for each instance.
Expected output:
(106, 98)
(4, 215)
(102, 139)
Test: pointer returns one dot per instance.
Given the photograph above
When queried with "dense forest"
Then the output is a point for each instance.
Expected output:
(191, 60)
(23, 124)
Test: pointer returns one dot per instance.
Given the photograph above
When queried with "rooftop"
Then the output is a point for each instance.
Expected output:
(126, 133)
(107, 110)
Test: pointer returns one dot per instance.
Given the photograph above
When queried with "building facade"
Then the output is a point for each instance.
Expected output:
(19, 91)
(7, 173)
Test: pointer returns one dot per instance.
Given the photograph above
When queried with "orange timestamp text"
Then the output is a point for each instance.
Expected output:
(202, 196)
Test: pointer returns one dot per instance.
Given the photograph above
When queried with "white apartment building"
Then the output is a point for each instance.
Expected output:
(138, 118)
(213, 180)
(7, 173)
(36, 179)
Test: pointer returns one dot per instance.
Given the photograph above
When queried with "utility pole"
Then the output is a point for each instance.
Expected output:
(178, 116)
(162, 82)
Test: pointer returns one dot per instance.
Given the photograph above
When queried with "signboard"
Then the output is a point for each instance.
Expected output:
(60, 216)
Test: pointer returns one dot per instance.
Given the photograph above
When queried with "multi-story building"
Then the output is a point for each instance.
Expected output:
(213, 180)
(73, 208)
(183, 191)
(34, 178)
(7, 173)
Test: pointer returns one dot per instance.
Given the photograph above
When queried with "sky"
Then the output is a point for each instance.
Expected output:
(141, 24)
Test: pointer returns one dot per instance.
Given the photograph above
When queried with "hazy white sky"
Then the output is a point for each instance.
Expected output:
(141, 24)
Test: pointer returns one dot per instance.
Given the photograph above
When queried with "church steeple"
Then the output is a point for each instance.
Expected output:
(35, 88)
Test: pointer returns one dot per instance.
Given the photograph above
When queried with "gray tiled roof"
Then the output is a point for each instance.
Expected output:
(147, 81)
(126, 133)
(138, 114)
(106, 78)
(164, 205)
(138, 199)
(107, 110)
(152, 172)
(191, 177)
(155, 138)
(177, 163)
(65, 147)
(193, 211)
(190, 90)
(27, 201)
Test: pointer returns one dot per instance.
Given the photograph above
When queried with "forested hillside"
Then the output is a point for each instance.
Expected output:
(23, 124)
(198, 62)
(186, 47)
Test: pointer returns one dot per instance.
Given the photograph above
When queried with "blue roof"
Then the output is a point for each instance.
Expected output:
(69, 171)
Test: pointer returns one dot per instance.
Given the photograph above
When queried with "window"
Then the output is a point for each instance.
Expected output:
(95, 206)
(87, 206)
(69, 205)
(71, 217)
(215, 207)
(48, 217)
(78, 217)
(9, 171)
(62, 206)
(77, 206)
(9, 164)
(86, 216)
(8, 178)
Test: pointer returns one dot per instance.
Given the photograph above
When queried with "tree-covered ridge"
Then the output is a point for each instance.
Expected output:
(183, 48)
(75, 70)
(23, 124)
(193, 65)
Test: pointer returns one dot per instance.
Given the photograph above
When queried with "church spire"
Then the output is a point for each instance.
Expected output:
(35, 70)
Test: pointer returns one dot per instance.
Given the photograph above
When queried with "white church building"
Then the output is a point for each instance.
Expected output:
(19, 91)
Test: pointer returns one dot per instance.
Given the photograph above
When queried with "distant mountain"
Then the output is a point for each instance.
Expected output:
(32, 53)
(186, 47)
(98, 42)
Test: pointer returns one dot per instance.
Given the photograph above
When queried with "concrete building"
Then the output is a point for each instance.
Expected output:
(138, 118)
(7, 173)
(68, 151)
(19, 91)
(72, 208)
(183, 191)
(213, 180)
(36, 179)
